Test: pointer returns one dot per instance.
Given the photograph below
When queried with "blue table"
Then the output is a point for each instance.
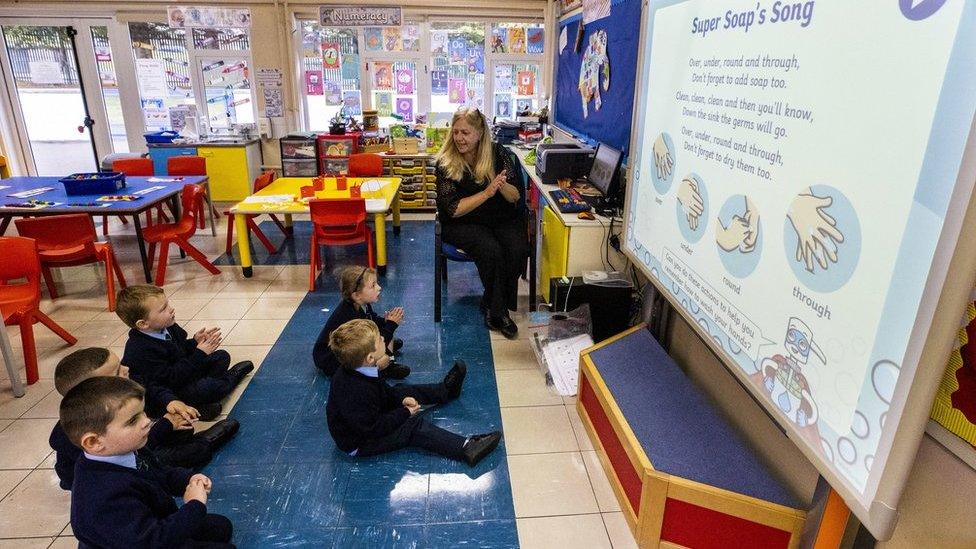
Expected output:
(89, 204)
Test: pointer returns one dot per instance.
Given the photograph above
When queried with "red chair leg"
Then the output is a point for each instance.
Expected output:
(54, 327)
(109, 284)
(253, 227)
(30, 349)
(118, 270)
(196, 254)
(371, 253)
(230, 233)
(49, 282)
(161, 266)
(313, 262)
(161, 214)
(279, 224)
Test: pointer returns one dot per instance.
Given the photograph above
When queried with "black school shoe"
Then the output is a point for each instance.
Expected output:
(218, 434)
(209, 412)
(455, 379)
(505, 325)
(479, 446)
(239, 371)
(395, 371)
(397, 345)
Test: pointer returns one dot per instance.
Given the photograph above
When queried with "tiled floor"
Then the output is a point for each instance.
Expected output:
(570, 506)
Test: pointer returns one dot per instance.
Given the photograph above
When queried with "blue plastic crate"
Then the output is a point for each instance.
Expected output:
(93, 183)
(165, 136)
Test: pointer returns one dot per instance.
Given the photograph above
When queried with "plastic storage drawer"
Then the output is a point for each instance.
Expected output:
(93, 183)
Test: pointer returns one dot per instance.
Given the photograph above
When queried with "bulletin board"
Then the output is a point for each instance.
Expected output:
(808, 220)
(610, 123)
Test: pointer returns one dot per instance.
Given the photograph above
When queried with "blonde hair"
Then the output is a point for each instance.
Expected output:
(451, 161)
(352, 278)
(353, 341)
(131, 306)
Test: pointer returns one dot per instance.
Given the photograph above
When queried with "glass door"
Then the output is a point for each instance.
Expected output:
(55, 76)
(226, 92)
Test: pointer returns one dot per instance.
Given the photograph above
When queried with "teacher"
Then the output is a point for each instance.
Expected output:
(479, 203)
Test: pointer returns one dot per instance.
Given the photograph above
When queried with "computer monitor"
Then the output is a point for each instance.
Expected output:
(603, 172)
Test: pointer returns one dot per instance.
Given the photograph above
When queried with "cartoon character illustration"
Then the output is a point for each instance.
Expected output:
(595, 62)
(783, 379)
(817, 235)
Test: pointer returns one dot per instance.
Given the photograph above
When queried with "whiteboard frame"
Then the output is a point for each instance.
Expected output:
(930, 342)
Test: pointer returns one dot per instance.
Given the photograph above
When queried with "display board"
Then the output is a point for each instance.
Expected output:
(800, 176)
(603, 70)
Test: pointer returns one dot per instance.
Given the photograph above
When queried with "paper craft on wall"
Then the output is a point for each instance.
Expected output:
(313, 83)
(383, 103)
(392, 41)
(516, 40)
(351, 103)
(383, 75)
(526, 83)
(594, 10)
(594, 72)
(535, 38)
(330, 55)
(955, 403)
(438, 42)
(503, 78)
(523, 106)
(457, 48)
(503, 105)
(350, 66)
(333, 93)
(311, 47)
(404, 108)
(456, 89)
(438, 82)
(499, 40)
(404, 81)
(374, 38)
(476, 58)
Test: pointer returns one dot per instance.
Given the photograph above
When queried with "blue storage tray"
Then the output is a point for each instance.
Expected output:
(165, 136)
(93, 183)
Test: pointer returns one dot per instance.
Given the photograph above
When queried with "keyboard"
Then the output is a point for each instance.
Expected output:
(569, 201)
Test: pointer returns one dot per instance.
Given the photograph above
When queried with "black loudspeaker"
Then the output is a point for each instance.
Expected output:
(609, 305)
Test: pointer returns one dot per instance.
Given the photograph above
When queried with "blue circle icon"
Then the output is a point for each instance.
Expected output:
(663, 158)
(916, 11)
(691, 206)
(822, 238)
(738, 236)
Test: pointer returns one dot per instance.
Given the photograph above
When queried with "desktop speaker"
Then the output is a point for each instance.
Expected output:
(609, 305)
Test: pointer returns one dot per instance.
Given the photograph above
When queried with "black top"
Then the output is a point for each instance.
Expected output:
(323, 356)
(67, 454)
(163, 366)
(493, 210)
(115, 506)
(361, 408)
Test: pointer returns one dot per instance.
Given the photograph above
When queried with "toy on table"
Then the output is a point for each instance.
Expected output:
(119, 198)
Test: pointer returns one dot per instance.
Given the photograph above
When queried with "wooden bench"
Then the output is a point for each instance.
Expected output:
(683, 476)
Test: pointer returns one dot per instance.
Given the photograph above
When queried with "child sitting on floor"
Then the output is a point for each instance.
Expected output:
(367, 416)
(123, 497)
(171, 438)
(360, 289)
(170, 365)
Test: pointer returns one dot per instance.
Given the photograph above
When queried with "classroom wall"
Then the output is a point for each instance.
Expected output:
(936, 506)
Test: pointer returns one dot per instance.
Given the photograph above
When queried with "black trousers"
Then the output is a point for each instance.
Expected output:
(417, 432)
(183, 449)
(216, 531)
(212, 385)
(499, 251)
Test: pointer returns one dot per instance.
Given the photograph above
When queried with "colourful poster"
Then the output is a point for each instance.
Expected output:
(313, 83)
(404, 81)
(526, 83)
(476, 58)
(523, 106)
(330, 55)
(411, 37)
(503, 78)
(456, 89)
(499, 40)
(374, 38)
(350, 66)
(457, 48)
(516, 40)
(404, 108)
(383, 75)
(392, 41)
(351, 104)
(438, 82)
(535, 37)
(311, 47)
(503, 105)
(333, 93)
(438, 42)
(383, 101)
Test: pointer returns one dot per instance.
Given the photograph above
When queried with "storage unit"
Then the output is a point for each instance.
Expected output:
(418, 190)
(160, 155)
(334, 152)
(232, 164)
(299, 155)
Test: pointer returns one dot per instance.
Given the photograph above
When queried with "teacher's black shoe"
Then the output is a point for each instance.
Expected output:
(505, 325)
(477, 447)
(395, 371)
(455, 378)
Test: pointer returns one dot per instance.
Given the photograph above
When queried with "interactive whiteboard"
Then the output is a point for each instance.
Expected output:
(800, 175)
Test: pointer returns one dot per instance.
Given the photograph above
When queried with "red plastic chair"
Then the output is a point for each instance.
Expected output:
(365, 165)
(69, 240)
(190, 166)
(178, 233)
(20, 303)
(260, 182)
(338, 222)
(136, 167)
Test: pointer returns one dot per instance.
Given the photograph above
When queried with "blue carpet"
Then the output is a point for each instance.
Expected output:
(283, 482)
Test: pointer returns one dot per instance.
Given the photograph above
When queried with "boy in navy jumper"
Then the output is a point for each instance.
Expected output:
(170, 365)
(368, 417)
(123, 497)
(171, 438)
(360, 289)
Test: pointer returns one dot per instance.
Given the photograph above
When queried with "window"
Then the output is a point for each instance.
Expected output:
(110, 88)
(227, 92)
(457, 61)
(331, 73)
(516, 55)
(162, 71)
